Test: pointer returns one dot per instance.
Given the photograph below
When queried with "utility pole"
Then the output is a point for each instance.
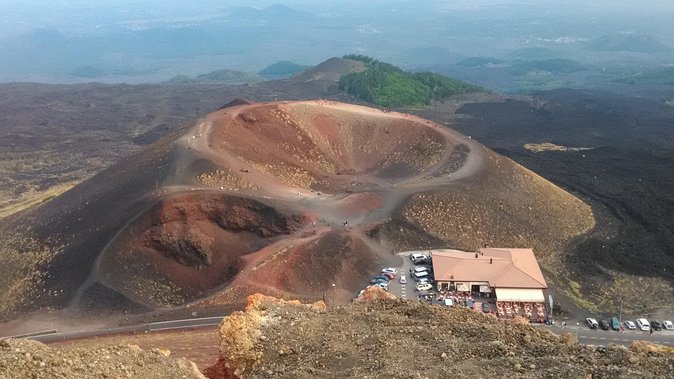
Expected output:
(621, 311)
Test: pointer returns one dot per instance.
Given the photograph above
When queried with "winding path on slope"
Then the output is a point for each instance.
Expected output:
(344, 167)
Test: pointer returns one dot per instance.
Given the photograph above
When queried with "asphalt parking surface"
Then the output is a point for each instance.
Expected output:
(603, 337)
(583, 333)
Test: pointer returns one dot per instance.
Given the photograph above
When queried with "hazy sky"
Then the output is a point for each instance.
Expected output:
(81, 15)
(174, 37)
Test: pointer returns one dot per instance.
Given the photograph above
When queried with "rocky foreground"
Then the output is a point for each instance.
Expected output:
(378, 336)
(32, 359)
(392, 338)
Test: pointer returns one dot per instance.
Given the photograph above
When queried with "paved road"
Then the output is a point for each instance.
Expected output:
(604, 337)
(153, 326)
(408, 290)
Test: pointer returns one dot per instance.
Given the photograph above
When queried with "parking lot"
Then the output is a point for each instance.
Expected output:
(583, 333)
(407, 290)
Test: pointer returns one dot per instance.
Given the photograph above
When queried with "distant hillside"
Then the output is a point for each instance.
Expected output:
(478, 61)
(638, 43)
(219, 76)
(425, 55)
(533, 53)
(389, 86)
(663, 75)
(282, 69)
(277, 13)
(555, 66)
(332, 69)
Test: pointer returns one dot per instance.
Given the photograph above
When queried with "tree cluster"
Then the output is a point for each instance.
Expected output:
(389, 86)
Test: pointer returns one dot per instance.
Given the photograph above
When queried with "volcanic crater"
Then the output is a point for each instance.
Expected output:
(292, 199)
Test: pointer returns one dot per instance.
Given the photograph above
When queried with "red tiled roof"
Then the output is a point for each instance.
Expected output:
(512, 268)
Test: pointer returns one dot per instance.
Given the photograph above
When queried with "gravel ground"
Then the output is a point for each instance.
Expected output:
(31, 359)
(408, 339)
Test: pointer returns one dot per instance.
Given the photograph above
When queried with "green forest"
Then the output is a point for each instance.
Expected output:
(389, 86)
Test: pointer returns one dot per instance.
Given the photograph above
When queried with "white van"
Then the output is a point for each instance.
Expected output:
(643, 324)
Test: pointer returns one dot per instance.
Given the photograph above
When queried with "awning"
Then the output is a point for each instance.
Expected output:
(533, 295)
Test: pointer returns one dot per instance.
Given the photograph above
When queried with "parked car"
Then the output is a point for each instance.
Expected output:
(604, 325)
(381, 277)
(656, 325)
(426, 280)
(416, 256)
(424, 287)
(420, 259)
(389, 270)
(643, 324)
(377, 281)
(630, 325)
(383, 285)
(615, 324)
(667, 325)
(419, 269)
(591, 323)
(419, 275)
(403, 280)
(389, 275)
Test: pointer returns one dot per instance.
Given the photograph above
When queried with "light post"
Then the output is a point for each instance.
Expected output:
(333, 294)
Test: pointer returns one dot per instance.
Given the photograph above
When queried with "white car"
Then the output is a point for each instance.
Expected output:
(420, 275)
(667, 325)
(389, 270)
(403, 280)
(630, 325)
(643, 324)
(591, 323)
(424, 287)
(419, 269)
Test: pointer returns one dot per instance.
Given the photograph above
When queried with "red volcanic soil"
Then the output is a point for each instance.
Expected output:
(286, 198)
(192, 242)
(278, 197)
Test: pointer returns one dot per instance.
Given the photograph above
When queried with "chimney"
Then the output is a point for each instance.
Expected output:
(491, 260)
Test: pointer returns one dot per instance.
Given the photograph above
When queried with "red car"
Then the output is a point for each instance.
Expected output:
(389, 275)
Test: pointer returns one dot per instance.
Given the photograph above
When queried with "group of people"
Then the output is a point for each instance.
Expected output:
(532, 311)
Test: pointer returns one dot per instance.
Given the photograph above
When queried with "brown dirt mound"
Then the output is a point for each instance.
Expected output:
(31, 359)
(402, 339)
